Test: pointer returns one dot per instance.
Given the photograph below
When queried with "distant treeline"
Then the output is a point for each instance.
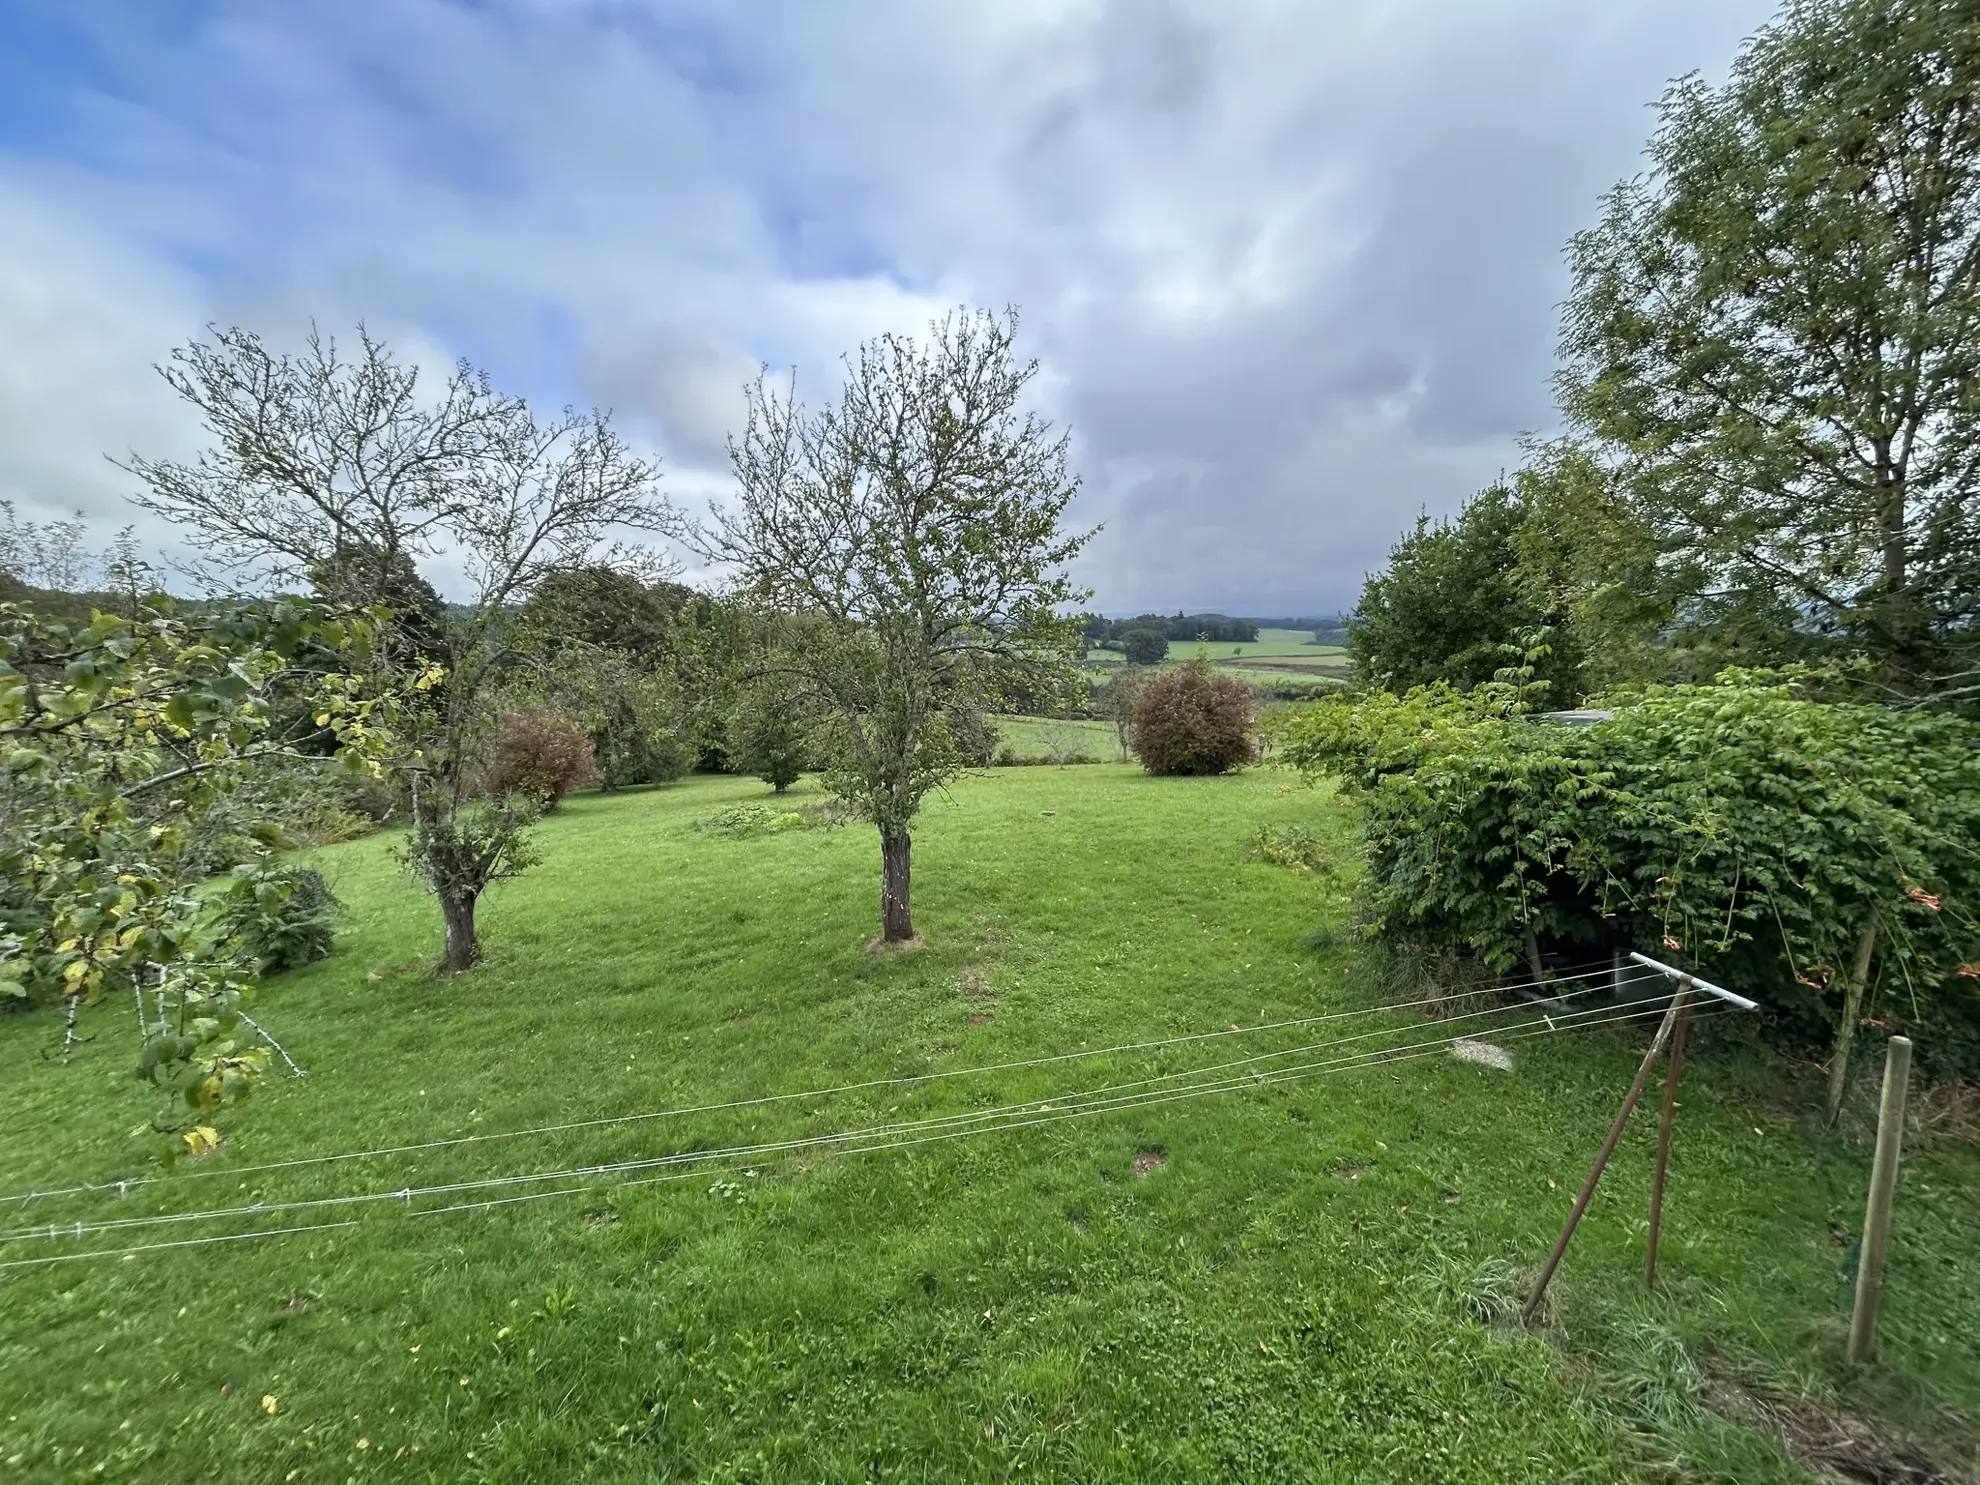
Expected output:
(1217, 628)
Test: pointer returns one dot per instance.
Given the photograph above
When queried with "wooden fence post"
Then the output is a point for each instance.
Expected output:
(1877, 1215)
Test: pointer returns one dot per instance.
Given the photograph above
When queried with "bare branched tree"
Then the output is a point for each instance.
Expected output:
(45, 555)
(912, 533)
(340, 472)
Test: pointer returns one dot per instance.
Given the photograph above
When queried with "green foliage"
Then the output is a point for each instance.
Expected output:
(1295, 847)
(604, 608)
(1145, 647)
(1741, 827)
(770, 736)
(1191, 720)
(1449, 608)
(741, 820)
(976, 736)
(744, 820)
(118, 738)
(1186, 628)
(1775, 336)
(275, 916)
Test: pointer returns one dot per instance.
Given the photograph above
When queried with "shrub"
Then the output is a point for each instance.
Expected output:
(1190, 720)
(1144, 647)
(1770, 840)
(542, 757)
(275, 917)
(768, 737)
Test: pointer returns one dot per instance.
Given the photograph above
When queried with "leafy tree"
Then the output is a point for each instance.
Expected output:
(541, 757)
(416, 616)
(116, 738)
(1777, 334)
(608, 608)
(769, 736)
(913, 530)
(1450, 607)
(1123, 690)
(1191, 720)
(634, 715)
(1144, 647)
(275, 917)
(322, 464)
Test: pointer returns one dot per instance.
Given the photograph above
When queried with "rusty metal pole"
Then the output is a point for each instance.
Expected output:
(1650, 1057)
(1672, 1068)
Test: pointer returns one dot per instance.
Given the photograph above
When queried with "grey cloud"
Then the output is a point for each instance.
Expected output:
(1291, 270)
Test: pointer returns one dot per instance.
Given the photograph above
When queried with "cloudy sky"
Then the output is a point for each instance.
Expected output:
(1291, 269)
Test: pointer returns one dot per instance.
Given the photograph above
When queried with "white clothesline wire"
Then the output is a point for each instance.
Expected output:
(1094, 1099)
(123, 1187)
(1551, 1027)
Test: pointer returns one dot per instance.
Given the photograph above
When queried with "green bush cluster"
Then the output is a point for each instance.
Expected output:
(1767, 838)
(276, 917)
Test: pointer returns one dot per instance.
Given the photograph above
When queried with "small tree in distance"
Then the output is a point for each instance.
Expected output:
(913, 532)
(1190, 720)
(542, 757)
(1144, 647)
(1123, 690)
(768, 736)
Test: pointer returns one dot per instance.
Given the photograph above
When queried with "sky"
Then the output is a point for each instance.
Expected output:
(1291, 272)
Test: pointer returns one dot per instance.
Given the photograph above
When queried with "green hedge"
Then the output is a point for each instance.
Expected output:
(1760, 835)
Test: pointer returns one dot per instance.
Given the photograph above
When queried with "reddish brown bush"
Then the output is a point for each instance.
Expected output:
(1190, 720)
(541, 756)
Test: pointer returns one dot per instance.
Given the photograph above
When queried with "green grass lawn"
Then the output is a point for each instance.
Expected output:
(1303, 1281)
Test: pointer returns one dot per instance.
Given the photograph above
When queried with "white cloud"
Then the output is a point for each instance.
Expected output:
(84, 313)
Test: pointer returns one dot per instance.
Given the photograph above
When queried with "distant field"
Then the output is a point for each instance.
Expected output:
(1181, 649)
(1045, 737)
(1285, 636)
(1262, 662)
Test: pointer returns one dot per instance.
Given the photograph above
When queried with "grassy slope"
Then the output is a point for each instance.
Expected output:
(960, 1311)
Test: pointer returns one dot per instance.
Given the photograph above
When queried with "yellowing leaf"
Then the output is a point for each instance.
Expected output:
(204, 1140)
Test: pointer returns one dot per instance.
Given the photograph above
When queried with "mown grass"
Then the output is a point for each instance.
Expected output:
(1313, 1285)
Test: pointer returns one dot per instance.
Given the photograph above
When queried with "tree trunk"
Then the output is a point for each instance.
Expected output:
(895, 924)
(1534, 964)
(1846, 1028)
(462, 949)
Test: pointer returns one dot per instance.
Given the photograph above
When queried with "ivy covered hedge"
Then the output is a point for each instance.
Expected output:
(1821, 857)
